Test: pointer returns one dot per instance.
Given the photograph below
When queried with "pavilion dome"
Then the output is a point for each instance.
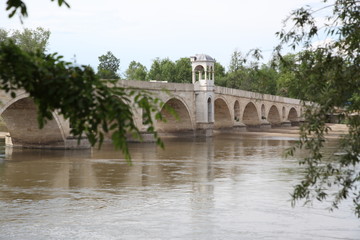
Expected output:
(204, 57)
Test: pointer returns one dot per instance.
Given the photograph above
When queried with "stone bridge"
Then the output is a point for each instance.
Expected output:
(202, 111)
(201, 106)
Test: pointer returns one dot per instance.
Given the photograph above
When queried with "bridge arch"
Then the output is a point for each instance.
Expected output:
(210, 110)
(172, 124)
(237, 111)
(222, 114)
(293, 116)
(283, 113)
(263, 116)
(20, 117)
(250, 115)
(274, 116)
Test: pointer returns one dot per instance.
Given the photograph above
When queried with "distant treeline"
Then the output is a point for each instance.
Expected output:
(244, 72)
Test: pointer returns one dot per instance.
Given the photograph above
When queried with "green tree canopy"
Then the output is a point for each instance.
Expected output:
(29, 40)
(108, 66)
(155, 70)
(238, 59)
(247, 73)
(286, 83)
(220, 74)
(183, 73)
(136, 71)
(162, 70)
(264, 79)
(329, 75)
(4, 35)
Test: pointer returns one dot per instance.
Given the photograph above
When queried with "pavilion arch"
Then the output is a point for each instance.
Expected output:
(237, 111)
(222, 114)
(199, 72)
(274, 116)
(293, 116)
(283, 115)
(181, 122)
(20, 117)
(250, 115)
(211, 73)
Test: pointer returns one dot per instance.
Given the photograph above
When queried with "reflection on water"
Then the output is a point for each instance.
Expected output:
(227, 187)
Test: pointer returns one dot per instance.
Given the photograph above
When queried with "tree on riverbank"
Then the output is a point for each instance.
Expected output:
(30, 40)
(329, 75)
(108, 66)
(162, 70)
(136, 71)
(247, 73)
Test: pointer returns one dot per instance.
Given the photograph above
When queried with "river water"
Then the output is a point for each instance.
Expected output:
(232, 186)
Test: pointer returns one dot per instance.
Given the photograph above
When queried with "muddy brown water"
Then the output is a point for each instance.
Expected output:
(232, 186)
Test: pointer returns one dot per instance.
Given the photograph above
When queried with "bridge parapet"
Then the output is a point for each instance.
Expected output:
(157, 86)
(222, 107)
(255, 95)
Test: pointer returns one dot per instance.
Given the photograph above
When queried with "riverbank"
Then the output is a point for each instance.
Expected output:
(337, 130)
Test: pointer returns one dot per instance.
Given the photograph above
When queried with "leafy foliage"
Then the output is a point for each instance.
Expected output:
(4, 35)
(183, 72)
(329, 75)
(167, 70)
(14, 5)
(136, 71)
(108, 66)
(162, 70)
(286, 83)
(29, 40)
(238, 59)
(246, 73)
(93, 106)
(219, 74)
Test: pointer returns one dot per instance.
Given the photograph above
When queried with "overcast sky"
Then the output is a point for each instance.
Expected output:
(142, 30)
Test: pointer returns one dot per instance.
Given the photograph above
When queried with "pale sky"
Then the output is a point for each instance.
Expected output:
(142, 30)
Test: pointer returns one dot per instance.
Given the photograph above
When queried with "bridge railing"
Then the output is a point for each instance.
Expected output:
(157, 85)
(219, 90)
(255, 95)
